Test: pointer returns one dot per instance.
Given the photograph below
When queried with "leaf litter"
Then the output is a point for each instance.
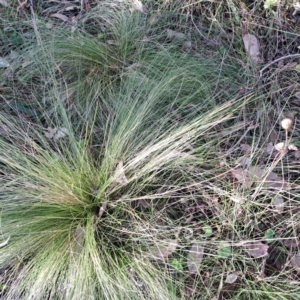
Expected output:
(254, 174)
(161, 250)
(195, 257)
(257, 249)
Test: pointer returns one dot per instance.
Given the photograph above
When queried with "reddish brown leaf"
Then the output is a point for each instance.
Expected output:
(257, 249)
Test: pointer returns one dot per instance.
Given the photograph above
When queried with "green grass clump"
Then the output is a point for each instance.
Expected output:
(88, 183)
(53, 191)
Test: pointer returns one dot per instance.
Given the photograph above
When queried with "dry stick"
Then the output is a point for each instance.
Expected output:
(275, 61)
(270, 64)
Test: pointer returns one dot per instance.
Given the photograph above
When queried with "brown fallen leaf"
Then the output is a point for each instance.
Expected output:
(255, 174)
(138, 5)
(295, 262)
(187, 46)
(297, 154)
(195, 257)
(232, 277)
(252, 46)
(176, 34)
(246, 147)
(154, 19)
(247, 177)
(163, 249)
(269, 148)
(275, 182)
(243, 161)
(257, 249)
(61, 17)
(273, 136)
(242, 176)
(49, 132)
(237, 126)
(278, 204)
(113, 42)
(291, 243)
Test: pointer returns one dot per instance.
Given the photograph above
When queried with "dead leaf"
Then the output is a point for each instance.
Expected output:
(291, 243)
(134, 65)
(72, 7)
(295, 261)
(252, 46)
(257, 249)
(113, 42)
(290, 66)
(274, 136)
(102, 210)
(49, 133)
(138, 5)
(232, 277)
(61, 132)
(255, 174)
(243, 177)
(195, 257)
(120, 174)
(297, 154)
(246, 147)
(162, 249)
(61, 17)
(154, 19)
(278, 204)
(143, 203)
(274, 181)
(297, 95)
(187, 46)
(4, 243)
(270, 148)
(243, 161)
(237, 126)
(176, 34)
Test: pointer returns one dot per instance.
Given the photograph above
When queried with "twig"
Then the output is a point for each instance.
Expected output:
(270, 64)
(275, 61)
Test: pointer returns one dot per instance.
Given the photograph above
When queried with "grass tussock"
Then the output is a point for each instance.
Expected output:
(136, 166)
